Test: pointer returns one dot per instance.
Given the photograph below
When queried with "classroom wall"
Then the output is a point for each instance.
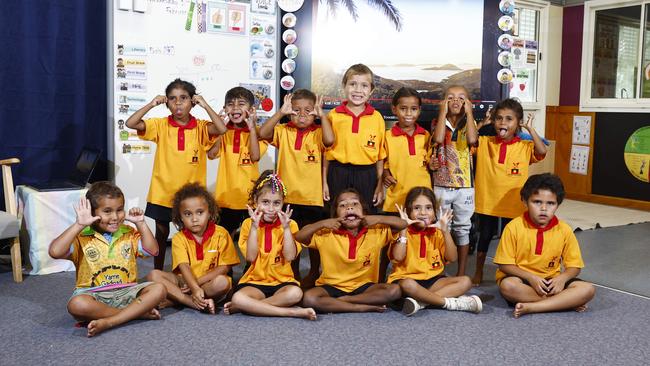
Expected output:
(553, 55)
(572, 22)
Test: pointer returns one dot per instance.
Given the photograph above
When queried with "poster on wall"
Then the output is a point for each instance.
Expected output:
(637, 154)
(581, 133)
(579, 161)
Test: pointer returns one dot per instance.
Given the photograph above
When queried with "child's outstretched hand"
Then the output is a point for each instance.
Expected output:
(404, 216)
(287, 108)
(224, 116)
(468, 107)
(388, 178)
(255, 215)
(444, 108)
(318, 107)
(444, 218)
(158, 100)
(251, 119)
(197, 99)
(84, 213)
(285, 216)
(333, 224)
(135, 215)
(529, 121)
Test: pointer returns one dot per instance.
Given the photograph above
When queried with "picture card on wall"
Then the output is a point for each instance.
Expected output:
(263, 6)
(236, 19)
(216, 17)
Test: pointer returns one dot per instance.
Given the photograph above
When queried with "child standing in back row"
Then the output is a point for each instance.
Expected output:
(356, 160)
(502, 163)
(182, 142)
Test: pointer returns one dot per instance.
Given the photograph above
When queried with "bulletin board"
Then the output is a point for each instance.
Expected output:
(216, 45)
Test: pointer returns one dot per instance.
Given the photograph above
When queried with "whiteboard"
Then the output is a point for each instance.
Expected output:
(155, 41)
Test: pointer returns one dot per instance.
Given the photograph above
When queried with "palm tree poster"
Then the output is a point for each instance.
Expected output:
(426, 45)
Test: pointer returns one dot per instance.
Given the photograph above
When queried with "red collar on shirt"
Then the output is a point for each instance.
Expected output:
(423, 234)
(352, 240)
(236, 143)
(206, 235)
(180, 139)
(540, 231)
(343, 108)
(397, 131)
(504, 147)
(268, 233)
(300, 134)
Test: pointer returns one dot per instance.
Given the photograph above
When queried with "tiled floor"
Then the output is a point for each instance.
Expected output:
(585, 215)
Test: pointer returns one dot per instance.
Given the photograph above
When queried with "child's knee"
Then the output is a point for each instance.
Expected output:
(393, 292)
(155, 275)
(408, 286)
(157, 290)
(293, 294)
(588, 290)
(465, 282)
(79, 306)
(310, 299)
(220, 283)
(508, 286)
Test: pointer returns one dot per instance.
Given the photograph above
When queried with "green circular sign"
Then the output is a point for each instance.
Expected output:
(637, 154)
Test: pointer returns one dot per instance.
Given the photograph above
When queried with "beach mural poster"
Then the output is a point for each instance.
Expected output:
(426, 45)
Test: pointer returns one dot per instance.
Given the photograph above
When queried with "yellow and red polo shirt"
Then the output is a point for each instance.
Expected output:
(299, 162)
(349, 261)
(538, 250)
(407, 158)
(237, 172)
(180, 155)
(269, 268)
(216, 249)
(425, 255)
(106, 261)
(501, 171)
(359, 139)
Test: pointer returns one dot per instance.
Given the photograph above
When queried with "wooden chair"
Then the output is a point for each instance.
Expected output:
(9, 222)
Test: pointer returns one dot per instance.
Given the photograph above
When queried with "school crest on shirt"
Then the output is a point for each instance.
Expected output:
(126, 250)
(514, 170)
(366, 261)
(92, 253)
(245, 159)
(195, 156)
(277, 259)
(311, 156)
(370, 142)
(436, 263)
(551, 263)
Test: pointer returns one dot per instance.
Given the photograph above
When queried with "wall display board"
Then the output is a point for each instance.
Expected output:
(203, 42)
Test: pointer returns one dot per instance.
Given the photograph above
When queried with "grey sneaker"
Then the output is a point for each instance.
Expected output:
(466, 303)
(411, 306)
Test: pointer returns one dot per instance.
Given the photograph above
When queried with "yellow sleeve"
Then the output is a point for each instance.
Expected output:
(76, 249)
(382, 149)
(227, 253)
(440, 244)
(387, 153)
(507, 250)
(243, 235)
(293, 226)
(179, 251)
(264, 145)
(150, 132)
(276, 135)
(205, 140)
(317, 239)
(571, 256)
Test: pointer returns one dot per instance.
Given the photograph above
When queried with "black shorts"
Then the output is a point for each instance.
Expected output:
(158, 212)
(334, 292)
(268, 291)
(425, 283)
(231, 219)
(305, 214)
(363, 178)
(566, 284)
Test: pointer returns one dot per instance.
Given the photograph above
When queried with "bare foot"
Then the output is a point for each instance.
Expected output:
(229, 309)
(306, 313)
(477, 279)
(165, 304)
(581, 308)
(153, 314)
(97, 326)
(520, 309)
(371, 308)
(209, 308)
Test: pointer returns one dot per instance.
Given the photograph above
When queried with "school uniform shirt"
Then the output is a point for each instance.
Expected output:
(501, 171)
(407, 159)
(359, 139)
(299, 162)
(237, 172)
(454, 158)
(539, 251)
(425, 255)
(180, 155)
(216, 249)
(106, 260)
(269, 268)
(348, 261)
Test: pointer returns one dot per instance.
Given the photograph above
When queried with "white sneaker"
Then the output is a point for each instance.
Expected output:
(465, 303)
(411, 306)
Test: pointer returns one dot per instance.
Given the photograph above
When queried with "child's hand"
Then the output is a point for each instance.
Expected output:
(198, 298)
(388, 178)
(135, 215)
(224, 116)
(468, 107)
(333, 224)
(84, 214)
(404, 216)
(251, 119)
(434, 163)
(285, 216)
(255, 215)
(444, 218)
(287, 108)
(444, 109)
(197, 99)
(529, 122)
(555, 285)
(185, 289)
(538, 284)
(318, 107)
(326, 192)
(158, 100)
(378, 196)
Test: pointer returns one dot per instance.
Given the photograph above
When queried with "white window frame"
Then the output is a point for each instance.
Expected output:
(587, 103)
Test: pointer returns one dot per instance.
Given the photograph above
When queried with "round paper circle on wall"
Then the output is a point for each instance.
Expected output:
(289, 20)
(504, 76)
(507, 6)
(505, 58)
(637, 154)
(287, 82)
(289, 36)
(505, 23)
(288, 65)
(291, 51)
(290, 6)
(266, 104)
(505, 41)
